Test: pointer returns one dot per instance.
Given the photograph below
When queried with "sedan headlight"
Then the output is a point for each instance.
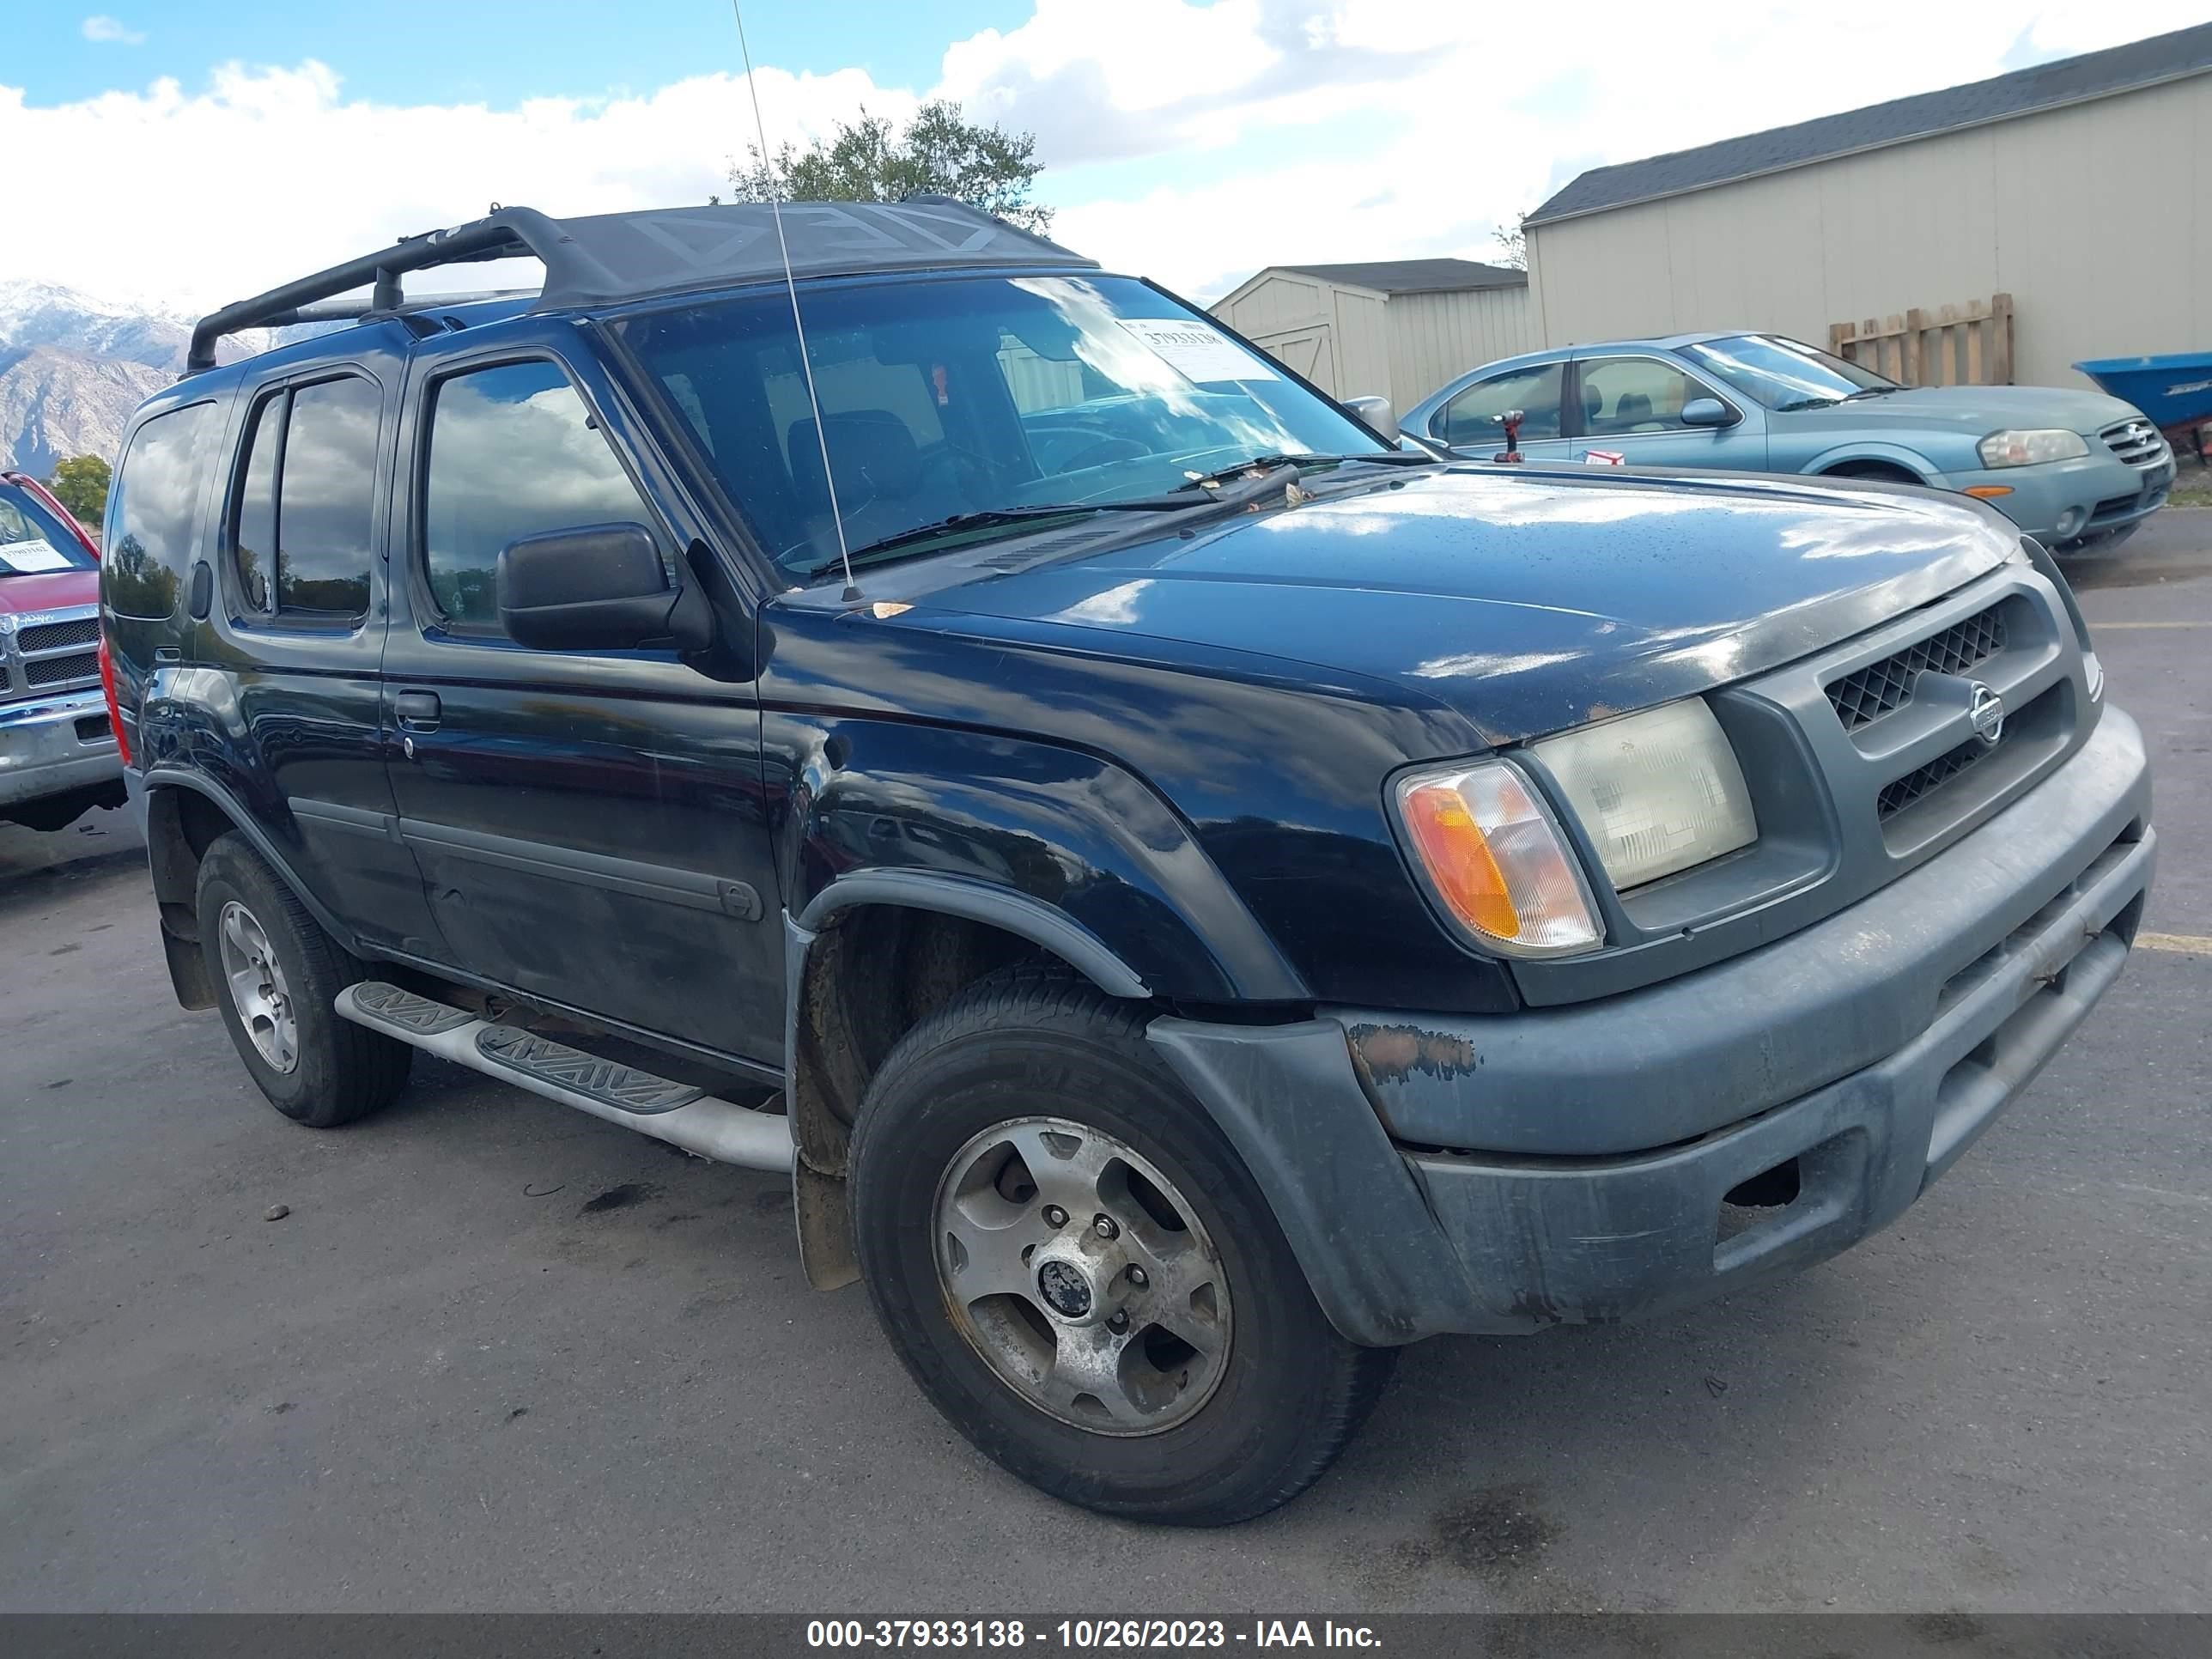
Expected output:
(2010, 448)
(1495, 860)
(1656, 792)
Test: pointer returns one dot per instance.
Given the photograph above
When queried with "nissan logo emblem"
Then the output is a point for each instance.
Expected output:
(1986, 710)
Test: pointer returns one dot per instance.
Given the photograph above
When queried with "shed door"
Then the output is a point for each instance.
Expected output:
(1307, 351)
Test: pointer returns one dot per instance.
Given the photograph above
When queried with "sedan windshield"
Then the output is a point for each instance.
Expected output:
(1784, 374)
(962, 406)
(31, 540)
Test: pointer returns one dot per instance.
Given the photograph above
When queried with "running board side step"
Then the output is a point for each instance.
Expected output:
(674, 1112)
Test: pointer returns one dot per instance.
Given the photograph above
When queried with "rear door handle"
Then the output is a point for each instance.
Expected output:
(417, 710)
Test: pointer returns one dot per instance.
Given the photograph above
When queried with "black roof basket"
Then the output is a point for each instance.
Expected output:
(609, 257)
(505, 233)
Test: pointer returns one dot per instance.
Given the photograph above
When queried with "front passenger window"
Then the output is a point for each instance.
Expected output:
(513, 452)
(1472, 417)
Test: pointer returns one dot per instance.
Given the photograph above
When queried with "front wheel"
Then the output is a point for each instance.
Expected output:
(1079, 1271)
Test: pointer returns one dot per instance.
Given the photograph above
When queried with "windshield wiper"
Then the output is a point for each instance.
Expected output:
(1872, 392)
(1267, 463)
(1796, 403)
(987, 516)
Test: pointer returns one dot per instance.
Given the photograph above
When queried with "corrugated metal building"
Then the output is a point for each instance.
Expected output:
(1398, 328)
(2083, 188)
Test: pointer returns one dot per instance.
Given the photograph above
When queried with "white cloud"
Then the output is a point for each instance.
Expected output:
(269, 172)
(1286, 131)
(108, 30)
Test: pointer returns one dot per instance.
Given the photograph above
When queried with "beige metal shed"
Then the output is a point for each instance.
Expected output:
(2080, 189)
(1398, 328)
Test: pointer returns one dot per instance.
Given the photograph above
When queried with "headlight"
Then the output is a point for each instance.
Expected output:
(1656, 792)
(1495, 860)
(2010, 448)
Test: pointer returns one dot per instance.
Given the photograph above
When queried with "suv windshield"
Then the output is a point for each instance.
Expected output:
(968, 396)
(31, 540)
(1785, 374)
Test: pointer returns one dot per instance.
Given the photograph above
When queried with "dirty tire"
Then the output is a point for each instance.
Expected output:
(343, 1071)
(1030, 1041)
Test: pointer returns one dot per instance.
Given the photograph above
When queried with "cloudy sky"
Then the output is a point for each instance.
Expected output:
(185, 152)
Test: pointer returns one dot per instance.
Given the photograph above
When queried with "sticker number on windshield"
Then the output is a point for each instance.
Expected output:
(27, 558)
(1197, 352)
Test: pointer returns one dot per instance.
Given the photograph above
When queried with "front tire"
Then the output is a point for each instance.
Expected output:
(1081, 1273)
(276, 973)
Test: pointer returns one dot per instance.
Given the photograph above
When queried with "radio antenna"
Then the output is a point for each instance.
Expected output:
(797, 323)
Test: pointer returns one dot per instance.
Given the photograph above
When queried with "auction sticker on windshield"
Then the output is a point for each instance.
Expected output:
(1196, 352)
(27, 558)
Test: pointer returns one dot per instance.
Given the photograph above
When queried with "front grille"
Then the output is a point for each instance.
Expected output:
(2136, 442)
(54, 636)
(1912, 786)
(60, 670)
(2112, 506)
(1867, 694)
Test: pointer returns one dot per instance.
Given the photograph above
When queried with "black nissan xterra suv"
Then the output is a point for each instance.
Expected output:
(1208, 898)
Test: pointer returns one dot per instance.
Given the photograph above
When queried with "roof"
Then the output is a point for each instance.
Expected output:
(2095, 75)
(1414, 275)
(611, 256)
(621, 256)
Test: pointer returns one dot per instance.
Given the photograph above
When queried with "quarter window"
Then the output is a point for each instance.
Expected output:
(1472, 417)
(1625, 395)
(155, 511)
(513, 452)
(300, 530)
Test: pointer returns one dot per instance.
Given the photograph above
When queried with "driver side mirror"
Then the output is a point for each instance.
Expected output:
(599, 587)
(1376, 413)
(1707, 412)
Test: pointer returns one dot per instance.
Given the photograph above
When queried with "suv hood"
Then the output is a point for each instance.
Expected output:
(1528, 600)
(1978, 410)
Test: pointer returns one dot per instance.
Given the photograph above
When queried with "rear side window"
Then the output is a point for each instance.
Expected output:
(155, 510)
(300, 529)
(513, 452)
(1472, 417)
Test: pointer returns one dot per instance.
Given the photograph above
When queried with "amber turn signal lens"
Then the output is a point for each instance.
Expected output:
(1495, 861)
(1987, 492)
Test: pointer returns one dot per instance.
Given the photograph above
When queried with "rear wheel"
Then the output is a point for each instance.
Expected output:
(1080, 1273)
(278, 973)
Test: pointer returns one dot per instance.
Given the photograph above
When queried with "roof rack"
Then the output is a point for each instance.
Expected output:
(506, 234)
(610, 256)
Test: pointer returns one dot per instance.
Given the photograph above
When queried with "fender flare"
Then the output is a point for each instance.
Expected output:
(175, 777)
(1888, 454)
(1003, 908)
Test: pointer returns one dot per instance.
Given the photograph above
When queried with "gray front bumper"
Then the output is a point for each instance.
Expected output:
(42, 752)
(1864, 1054)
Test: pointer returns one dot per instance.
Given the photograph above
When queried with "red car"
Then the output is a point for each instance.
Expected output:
(57, 754)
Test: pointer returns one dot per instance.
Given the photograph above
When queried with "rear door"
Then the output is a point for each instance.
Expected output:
(591, 824)
(1631, 405)
(291, 629)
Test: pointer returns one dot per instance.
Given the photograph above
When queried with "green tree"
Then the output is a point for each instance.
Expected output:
(1513, 242)
(870, 161)
(79, 484)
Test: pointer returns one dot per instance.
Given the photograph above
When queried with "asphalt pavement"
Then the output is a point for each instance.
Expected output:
(500, 1356)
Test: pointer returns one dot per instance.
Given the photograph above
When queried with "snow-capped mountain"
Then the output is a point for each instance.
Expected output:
(72, 367)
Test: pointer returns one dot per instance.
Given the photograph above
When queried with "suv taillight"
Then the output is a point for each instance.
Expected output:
(114, 708)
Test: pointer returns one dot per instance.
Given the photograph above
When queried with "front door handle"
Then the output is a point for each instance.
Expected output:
(417, 710)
